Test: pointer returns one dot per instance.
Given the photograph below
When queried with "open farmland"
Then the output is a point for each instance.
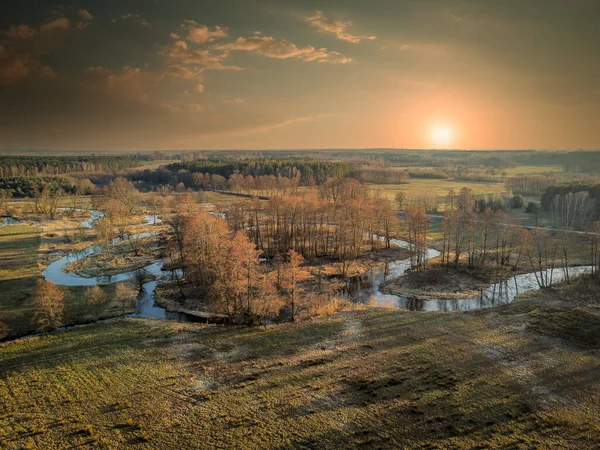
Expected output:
(511, 377)
(418, 186)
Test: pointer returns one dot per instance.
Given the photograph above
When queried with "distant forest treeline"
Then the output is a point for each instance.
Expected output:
(16, 166)
(29, 186)
(551, 192)
(307, 171)
(584, 161)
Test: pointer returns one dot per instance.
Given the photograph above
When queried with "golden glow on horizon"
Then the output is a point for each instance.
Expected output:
(441, 136)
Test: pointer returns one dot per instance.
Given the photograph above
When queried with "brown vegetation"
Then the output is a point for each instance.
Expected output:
(47, 306)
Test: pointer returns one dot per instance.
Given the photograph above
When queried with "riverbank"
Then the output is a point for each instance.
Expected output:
(509, 377)
(182, 297)
(436, 283)
(118, 258)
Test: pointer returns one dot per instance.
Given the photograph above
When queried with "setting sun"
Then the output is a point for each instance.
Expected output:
(441, 136)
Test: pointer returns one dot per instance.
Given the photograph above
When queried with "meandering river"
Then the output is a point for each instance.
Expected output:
(362, 289)
(365, 288)
(145, 306)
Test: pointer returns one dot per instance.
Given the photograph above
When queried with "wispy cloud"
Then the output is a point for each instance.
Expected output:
(20, 31)
(85, 15)
(234, 101)
(16, 66)
(282, 49)
(184, 73)
(59, 23)
(55, 23)
(131, 17)
(200, 34)
(337, 27)
(206, 59)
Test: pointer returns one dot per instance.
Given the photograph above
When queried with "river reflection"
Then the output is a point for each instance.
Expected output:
(365, 289)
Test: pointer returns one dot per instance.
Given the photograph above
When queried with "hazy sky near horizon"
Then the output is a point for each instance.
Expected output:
(267, 74)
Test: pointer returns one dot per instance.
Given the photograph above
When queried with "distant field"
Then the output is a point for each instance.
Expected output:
(532, 170)
(143, 165)
(522, 376)
(439, 187)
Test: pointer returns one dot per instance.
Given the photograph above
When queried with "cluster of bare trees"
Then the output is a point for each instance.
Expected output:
(313, 226)
(417, 225)
(573, 210)
(530, 184)
(120, 203)
(45, 201)
(430, 201)
(263, 185)
(381, 175)
(490, 237)
(48, 304)
(224, 269)
(221, 254)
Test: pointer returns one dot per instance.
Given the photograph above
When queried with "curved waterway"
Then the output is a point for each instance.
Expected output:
(145, 306)
(361, 289)
(6, 221)
(365, 288)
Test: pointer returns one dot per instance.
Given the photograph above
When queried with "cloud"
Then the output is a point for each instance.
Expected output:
(59, 23)
(132, 17)
(337, 27)
(130, 83)
(20, 31)
(85, 15)
(16, 66)
(185, 73)
(234, 101)
(200, 34)
(195, 108)
(98, 70)
(264, 127)
(282, 49)
(180, 51)
(47, 72)
(56, 22)
(199, 88)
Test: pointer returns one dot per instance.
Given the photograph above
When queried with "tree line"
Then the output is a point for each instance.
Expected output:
(26, 186)
(309, 171)
(33, 166)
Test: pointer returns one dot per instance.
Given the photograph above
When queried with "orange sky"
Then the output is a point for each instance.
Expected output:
(266, 74)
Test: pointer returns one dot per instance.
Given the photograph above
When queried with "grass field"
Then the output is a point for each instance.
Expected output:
(418, 186)
(531, 170)
(520, 376)
(18, 273)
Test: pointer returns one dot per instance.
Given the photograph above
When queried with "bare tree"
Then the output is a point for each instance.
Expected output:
(542, 257)
(125, 296)
(47, 305)
(96, 300)
(292, 275)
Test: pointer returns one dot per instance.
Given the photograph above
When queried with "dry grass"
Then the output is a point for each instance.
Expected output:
(531, 170)
(19, 271)
(417, 186)
(371, 378)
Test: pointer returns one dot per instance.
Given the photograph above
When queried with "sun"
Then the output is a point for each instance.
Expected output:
(441, 136)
